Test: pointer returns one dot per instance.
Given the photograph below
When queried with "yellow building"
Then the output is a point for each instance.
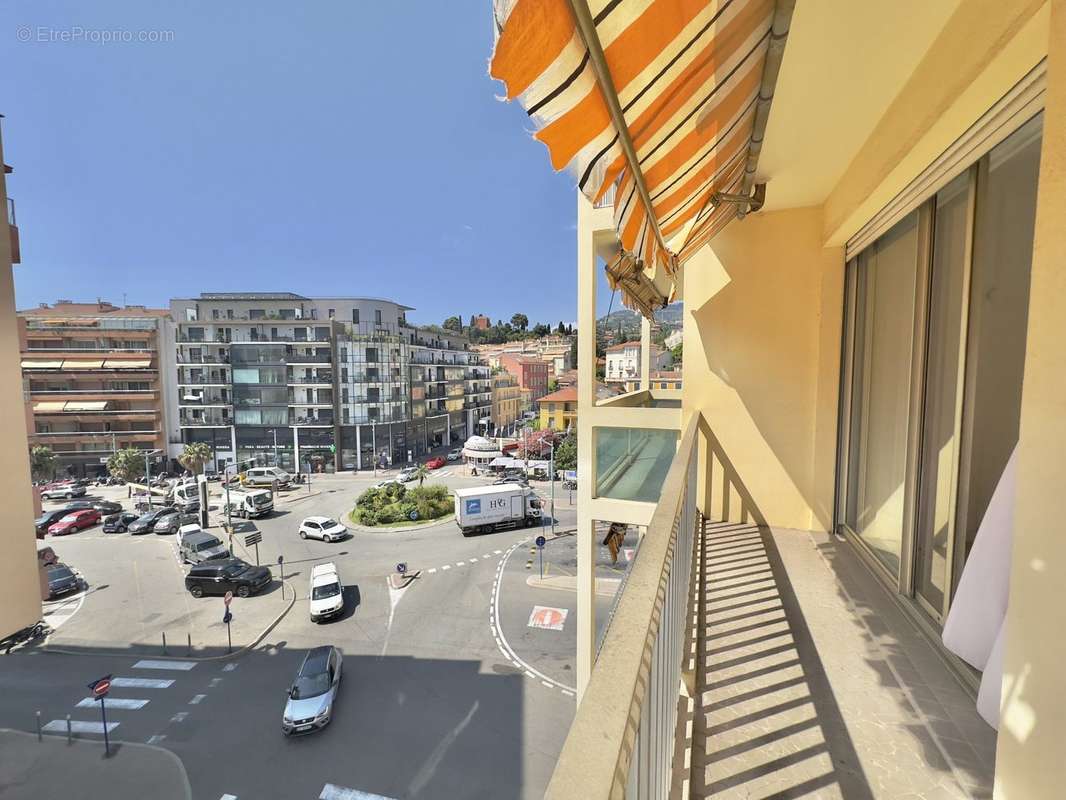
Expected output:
(506, 400)
(20, 578)
(861, 206)
(558, 410)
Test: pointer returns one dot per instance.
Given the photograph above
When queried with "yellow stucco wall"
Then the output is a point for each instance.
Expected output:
(20, 593)
(761, 343)
(1029, 762)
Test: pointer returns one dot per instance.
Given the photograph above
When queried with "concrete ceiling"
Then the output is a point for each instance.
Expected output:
(842, 60)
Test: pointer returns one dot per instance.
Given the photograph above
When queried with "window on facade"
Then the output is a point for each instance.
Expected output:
(256, 313)
(355, 316)
(377, 315)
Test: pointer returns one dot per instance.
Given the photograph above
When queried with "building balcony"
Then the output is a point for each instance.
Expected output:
(205, 418)
(309, 358)
(311, 420)
(318, 377)
(186, 358)
(208, 400)
(741, 660)
(216, 379)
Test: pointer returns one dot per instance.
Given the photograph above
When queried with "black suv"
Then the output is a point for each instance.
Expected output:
(219, 576)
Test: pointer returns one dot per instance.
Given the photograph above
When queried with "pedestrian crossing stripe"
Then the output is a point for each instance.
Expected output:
(78, 726)
(331, 792)
(141, 683)
(183, 666)
(114, 702)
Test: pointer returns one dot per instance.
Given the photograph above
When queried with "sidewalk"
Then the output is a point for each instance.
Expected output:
(30, 770)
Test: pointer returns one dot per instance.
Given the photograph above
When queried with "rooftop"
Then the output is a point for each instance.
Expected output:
(565, 395)
(100, 308)
(617, 348)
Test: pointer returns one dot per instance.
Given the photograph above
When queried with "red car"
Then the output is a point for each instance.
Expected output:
(75, 521)
(435, 463)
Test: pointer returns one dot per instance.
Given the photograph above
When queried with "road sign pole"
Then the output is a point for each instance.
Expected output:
(257, 554)
(103, 714)
(540, 553)
(229, 638)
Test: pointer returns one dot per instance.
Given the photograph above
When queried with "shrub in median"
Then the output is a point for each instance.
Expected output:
(395, 503)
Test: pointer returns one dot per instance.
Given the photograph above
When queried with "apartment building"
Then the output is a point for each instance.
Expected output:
(319, 383)
(531, 373)
(850, 515)
(96, 378)
(558, 410)
(622, 363)
(506, 401)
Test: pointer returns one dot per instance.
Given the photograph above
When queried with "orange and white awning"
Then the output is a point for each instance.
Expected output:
(683, 77)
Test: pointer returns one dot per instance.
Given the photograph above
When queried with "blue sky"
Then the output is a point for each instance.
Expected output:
(348, 148)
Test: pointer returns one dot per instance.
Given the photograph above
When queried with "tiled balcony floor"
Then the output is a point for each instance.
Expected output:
(812, 682)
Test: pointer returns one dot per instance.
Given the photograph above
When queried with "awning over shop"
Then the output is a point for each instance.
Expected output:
(42, 364)
(665, 100)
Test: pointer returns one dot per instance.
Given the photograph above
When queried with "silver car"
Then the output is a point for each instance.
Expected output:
(313, 693)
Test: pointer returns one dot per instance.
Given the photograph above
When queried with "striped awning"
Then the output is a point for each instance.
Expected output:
(658, 98)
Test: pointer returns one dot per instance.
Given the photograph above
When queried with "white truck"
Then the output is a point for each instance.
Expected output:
(327, 592)
(482, 509)
(248, 503)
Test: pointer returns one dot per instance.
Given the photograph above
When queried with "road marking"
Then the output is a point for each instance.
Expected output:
(568, 693)
(431, 570)
(487, 555)
(228, 797)
(197, 699)
(498, 552)
(215, 682)
(157, 738)
(78, 726)
(141, 683)
(180, 716)
(447, 566)
(547, 617)
(460, 563)
(114, 702)
(229, 668)
(472, 561)
(331, 792)
(547, 684)
(184, 666)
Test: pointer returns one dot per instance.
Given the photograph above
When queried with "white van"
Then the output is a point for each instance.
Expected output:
(248, 503)
(186, 493)
(327, 592)
(266, 476)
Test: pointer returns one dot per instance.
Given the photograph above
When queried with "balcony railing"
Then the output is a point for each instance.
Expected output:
(202, 380)
(185, 358)
(320, 420)
(60, 347)
(321, 377)
(622, 741)
(309, 358)
(607, 201)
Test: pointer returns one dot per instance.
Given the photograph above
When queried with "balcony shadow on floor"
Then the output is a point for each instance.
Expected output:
(767, 723)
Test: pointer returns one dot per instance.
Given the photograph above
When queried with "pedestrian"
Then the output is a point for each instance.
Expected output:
(616, 535)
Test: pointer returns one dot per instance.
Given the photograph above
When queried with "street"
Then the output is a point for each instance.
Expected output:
(453, 686)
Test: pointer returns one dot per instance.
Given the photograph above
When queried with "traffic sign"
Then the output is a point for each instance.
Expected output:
(253, 538)
(541, 541)
(100, 687)
(401, 567)
(227, 598)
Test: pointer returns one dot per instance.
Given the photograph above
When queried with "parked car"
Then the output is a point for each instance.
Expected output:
(146, 522)
(435, 463)
(195, 548)
(267, 477)
(385, 484)
(61, 580)
(456, 454)
(211, 476)
(324, 528)
(47, 520)
(63, 490)
(168, 523)
(120, 523)
(406, 474)
(511, 479)
(75, 521)
(226, 575)
(107, 506)
(314, 692)
(78, 505)
(326, 593)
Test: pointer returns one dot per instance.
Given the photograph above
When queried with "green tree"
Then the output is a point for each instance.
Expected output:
(42, 463)
(676, 353)
(472, 323)
(566, 451)
(540, 329)
(453, 324)
(553, 385)
(520, 321)
(127, 464)
(421, 473)
(195, 456)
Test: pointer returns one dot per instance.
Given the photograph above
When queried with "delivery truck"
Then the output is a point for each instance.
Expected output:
(248, 502)
(482, 509)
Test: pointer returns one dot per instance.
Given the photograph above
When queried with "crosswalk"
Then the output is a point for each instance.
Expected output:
(119, 704)
(333, 792)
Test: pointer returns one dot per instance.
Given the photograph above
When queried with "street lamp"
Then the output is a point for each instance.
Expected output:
(148, 475)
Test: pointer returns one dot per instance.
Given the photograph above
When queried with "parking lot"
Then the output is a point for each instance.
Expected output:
(456, 652)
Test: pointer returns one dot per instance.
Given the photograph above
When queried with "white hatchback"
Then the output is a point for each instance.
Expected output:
(324, 528)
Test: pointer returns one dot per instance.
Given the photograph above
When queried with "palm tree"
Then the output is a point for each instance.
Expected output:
(421, 473)
(195, 456)
(42, 462)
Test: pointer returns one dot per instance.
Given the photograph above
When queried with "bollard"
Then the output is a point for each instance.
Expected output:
(188, 650)
(164, 642)
(70, 737)
(38, 726)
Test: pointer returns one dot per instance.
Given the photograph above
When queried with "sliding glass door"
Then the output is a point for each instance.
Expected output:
(934, 353)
